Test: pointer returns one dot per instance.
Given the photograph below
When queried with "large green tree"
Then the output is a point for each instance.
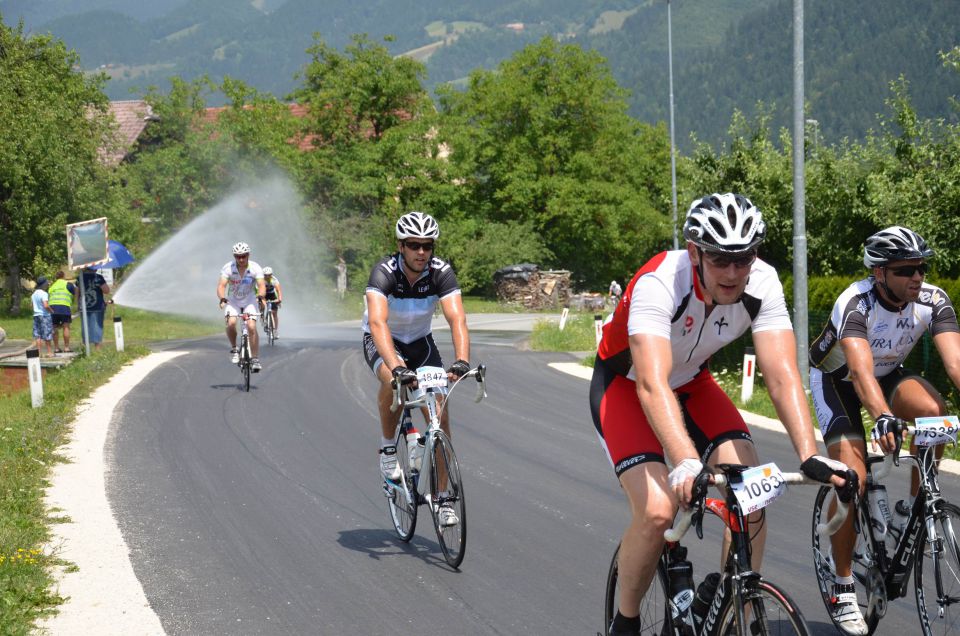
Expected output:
(53, 119)
(545, 143)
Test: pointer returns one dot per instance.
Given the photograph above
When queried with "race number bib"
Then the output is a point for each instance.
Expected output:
(431, 378)
(934, 431)
(760, 486)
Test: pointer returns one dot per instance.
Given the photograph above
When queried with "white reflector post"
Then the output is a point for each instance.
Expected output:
(563, 317)
(749, 371)
(598, 327)
(118, 332)
(36, 378)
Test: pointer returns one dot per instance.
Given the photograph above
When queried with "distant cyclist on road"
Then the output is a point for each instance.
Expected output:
(653, 399)
(274, 296)
(876, 322)
(401, 294)
(244, 278)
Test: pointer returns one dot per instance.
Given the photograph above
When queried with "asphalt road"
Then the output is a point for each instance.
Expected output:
(261, 512)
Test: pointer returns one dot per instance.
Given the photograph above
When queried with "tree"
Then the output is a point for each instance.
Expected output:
(545, 142)
(53, 119)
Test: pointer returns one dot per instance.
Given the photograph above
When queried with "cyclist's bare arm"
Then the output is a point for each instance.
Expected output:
(948, 346)
(452, 307)
(653, 360)
(222, 288)
(860, 364)
(377, 313)
(279, 291)
(777, 357)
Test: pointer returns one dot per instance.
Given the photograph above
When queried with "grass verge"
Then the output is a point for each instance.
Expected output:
(29, 442)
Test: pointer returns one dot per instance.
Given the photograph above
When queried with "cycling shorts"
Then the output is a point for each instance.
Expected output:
(838, 407)
(710, 417)
(419, 353)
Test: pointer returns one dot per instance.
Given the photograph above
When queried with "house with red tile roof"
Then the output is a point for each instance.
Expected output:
(131, 116)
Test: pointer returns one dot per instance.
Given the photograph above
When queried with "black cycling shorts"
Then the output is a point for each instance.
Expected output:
(419, 353)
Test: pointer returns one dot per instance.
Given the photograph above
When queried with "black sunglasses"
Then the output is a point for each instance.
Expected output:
(907, 271)
(413, 246)
(722, 261)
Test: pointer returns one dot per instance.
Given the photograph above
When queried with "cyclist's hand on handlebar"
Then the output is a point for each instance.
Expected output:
(831, 471)
(276, 304)
(458, 369)
(681, 480)
(403, 375)
(887, 433)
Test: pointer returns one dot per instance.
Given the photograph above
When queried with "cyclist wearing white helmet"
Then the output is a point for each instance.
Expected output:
(274, 296)
(655, 404)
(401, 294)
(244, 279)
(857, 362)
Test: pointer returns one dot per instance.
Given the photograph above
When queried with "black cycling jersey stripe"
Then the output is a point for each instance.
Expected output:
(752, 305)
(682, 308)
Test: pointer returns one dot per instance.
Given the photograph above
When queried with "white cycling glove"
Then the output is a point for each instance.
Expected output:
(686, 468)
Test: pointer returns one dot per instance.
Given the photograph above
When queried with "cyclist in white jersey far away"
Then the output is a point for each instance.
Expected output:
(401, 294)
(244, 279)
(857, 361)
(653, 399)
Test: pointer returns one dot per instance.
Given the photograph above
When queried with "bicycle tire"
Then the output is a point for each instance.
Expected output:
(245, 363)
(453, 539)
(946, 568)
(771, 611)
(403, 510)
(654, 612)
(871, 592)
(270, 329)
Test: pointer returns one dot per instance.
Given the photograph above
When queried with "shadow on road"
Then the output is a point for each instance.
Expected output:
(380, 543)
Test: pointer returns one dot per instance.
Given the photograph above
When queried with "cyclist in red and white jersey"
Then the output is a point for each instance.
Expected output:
(653, 399)
(857, 362)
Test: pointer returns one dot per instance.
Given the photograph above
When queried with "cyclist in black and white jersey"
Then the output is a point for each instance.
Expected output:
(401, 294)
(857, 361)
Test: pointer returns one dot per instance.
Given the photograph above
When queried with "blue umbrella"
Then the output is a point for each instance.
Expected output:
(118, 255)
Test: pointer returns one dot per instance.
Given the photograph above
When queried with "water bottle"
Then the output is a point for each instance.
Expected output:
(704, 597)
(680, 578)
(879, 510)
(416, 444)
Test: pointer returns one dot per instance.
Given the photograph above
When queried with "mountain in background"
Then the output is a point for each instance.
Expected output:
(728, 54)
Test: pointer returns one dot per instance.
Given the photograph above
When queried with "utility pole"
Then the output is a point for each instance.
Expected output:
(799, 203)
(673, 151)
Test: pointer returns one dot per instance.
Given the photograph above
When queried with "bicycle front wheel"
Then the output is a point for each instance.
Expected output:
(245, 364)
(767, 610)
(446, 491)
(937, 571)
(271, 328)
(402, 498)
(654, 612)
(871, 593)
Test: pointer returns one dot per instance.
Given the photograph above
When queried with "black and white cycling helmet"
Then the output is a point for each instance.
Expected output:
(241, 248)
(268, 271)
(724, 223)
(895, 243)
(417, 225)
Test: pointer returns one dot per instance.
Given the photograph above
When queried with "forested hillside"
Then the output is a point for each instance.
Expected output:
(728, 54)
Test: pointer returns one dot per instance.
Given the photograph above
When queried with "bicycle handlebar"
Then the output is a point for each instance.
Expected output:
(893, 459)
(400, 399)
(685, 518)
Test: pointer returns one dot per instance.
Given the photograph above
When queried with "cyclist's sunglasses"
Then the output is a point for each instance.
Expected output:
(241, 256)
(722, 261)
(907, 271)
(413, 246)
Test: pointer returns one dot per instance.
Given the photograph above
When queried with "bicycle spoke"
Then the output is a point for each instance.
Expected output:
(446, 491)
(937, 573)
(401, 500)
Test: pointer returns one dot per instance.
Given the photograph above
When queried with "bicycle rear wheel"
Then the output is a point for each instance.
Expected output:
(870, 588)
(402, 498)
(654, 612)
(446, 489)
(768, 610)
(937, 571)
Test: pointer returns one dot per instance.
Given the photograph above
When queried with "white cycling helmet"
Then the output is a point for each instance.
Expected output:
(417, 225)
(724, 223)
(241, 248)
(268, 271)
(895, 243)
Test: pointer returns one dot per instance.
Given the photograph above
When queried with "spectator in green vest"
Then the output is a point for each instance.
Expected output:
(62, 296)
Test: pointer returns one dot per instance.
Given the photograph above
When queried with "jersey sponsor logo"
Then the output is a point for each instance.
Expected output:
(721, 324)
(423, 288)
(862, 307)
(904, 323)
(687, 326)
(881, 343)
(881, 327)
(391, 265)
(825, 343)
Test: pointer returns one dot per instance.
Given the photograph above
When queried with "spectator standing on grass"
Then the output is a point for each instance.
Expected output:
(42, 323)
(62, 296)
(95, 290)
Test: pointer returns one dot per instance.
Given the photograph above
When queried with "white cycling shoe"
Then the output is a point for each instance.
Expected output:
(234, 356)
(388, 463)
(846, 611)
(447, 516)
